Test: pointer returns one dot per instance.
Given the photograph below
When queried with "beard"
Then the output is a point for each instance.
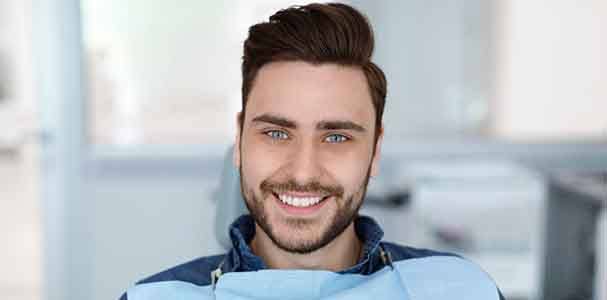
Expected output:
(320, 233)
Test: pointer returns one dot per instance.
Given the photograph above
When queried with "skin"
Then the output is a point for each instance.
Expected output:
(307, 130)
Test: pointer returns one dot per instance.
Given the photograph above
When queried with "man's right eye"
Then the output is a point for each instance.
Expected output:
(277, 134)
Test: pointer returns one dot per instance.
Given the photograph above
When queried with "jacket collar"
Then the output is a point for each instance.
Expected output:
(240, 258)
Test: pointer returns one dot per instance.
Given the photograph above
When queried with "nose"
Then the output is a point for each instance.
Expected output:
(305, 163)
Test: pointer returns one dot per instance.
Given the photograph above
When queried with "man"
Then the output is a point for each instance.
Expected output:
(309, 139)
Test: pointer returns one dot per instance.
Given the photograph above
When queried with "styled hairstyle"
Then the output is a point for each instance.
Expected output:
(315, 33)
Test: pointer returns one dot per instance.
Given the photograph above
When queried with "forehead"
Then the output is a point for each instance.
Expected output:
(310, 93)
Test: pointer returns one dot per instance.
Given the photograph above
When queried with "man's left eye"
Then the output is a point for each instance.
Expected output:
(336, 138)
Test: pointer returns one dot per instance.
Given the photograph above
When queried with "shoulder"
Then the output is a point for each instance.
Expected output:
(403, 253)
(197, 271)
(398, 252)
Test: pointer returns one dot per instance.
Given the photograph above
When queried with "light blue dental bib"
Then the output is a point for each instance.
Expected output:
(431, 278)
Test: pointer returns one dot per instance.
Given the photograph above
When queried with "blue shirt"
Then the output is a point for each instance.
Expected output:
(375, 255)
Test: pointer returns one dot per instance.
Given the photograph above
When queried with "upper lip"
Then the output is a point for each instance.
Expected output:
(301, 194)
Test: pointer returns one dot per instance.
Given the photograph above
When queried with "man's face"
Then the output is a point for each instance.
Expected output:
(306, 151)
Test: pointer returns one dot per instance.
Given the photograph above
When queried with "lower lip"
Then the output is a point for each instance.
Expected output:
(308, 210)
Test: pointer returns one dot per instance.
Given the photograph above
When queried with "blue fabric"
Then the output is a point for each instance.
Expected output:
(415, 279)
(197, 273)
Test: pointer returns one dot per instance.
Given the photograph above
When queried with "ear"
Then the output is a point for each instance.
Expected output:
(236, 153)
(377, 154)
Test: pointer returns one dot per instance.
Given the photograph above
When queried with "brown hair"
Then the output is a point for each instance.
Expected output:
(315, 33)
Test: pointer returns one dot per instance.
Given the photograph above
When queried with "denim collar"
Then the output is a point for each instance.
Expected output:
(241, 258)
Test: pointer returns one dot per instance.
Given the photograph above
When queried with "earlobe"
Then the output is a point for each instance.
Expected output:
(377, 153)
(236, 148)
(236, 154)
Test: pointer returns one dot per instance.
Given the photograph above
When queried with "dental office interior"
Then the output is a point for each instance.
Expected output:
(117, 119)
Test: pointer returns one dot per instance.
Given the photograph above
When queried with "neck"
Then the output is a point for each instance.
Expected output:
(341, 253)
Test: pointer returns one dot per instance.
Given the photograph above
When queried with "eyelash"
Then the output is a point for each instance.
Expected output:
(342, 137)
(272, 134)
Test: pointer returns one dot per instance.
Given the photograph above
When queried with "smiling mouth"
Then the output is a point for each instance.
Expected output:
(300, 200)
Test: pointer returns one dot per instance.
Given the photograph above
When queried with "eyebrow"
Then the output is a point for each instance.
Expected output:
(276, 120)
(322, 125)
(340, 125)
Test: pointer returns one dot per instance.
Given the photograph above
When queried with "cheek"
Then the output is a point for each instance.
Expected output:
(258, 162)
(349, 169)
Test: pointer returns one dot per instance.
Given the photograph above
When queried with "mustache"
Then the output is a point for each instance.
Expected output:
(270, 186)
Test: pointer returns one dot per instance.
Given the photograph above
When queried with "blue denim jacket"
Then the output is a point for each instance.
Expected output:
(376, 255)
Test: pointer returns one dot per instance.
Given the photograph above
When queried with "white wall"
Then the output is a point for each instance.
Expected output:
(20, 228)
(553, 69)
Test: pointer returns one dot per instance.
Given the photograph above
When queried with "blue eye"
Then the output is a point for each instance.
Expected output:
(336, 138)
(277, 134)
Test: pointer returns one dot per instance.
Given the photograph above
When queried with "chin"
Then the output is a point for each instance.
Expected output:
(299, 236)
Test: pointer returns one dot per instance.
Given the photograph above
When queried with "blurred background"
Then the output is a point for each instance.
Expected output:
(116, 118)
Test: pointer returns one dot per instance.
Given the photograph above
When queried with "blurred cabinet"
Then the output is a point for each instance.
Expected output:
(570, 267)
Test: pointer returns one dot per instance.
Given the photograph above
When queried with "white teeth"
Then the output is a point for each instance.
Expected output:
(299, 201)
